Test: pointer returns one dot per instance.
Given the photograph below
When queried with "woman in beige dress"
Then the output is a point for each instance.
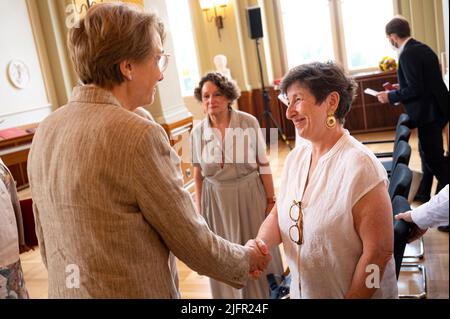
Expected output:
(233, 183)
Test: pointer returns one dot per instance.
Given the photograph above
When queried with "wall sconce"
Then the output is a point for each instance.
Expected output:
(85, 5)
(218, 9)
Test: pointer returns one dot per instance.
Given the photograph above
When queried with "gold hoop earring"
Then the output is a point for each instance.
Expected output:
(331, 121)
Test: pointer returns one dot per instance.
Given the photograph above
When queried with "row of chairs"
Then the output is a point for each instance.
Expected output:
(399, 187)
(401, 153)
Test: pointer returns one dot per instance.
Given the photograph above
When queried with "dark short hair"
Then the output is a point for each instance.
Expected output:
(322, 79)
(228, 88)
(398, 26)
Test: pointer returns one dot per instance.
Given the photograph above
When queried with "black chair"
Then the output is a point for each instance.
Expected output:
(403, 119)
(402, 230)
(402, 133)
(400, 181)
(400, 184)
(402, 154)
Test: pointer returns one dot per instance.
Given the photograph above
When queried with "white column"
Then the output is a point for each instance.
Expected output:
(445, 13)
(169, 106)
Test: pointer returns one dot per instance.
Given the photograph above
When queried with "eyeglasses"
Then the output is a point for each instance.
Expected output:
(296, 215)
(163, 61)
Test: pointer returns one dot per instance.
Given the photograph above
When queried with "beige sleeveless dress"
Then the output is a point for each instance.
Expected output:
(233, 197)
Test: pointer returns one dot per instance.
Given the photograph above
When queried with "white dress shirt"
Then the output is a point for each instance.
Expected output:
(434, 212)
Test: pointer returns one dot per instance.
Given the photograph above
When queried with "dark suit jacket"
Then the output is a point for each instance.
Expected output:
(422, 89)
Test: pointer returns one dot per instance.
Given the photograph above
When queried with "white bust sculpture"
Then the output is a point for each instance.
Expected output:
(220, 61)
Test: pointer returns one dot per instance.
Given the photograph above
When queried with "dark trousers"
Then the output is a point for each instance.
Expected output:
(434, 163)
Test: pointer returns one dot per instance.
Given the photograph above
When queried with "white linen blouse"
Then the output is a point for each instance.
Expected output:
(323, 266)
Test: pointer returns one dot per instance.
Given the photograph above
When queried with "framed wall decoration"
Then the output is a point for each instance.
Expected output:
(18, 73)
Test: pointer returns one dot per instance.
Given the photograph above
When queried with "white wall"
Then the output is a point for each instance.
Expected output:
(445, 13)
(195, 107)
(31, 104)
(169, 105)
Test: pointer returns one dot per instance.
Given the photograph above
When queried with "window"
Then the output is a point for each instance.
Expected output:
(303, 22)
(350, 32)
(180, 25)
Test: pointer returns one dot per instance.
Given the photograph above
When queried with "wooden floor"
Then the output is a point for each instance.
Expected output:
(194, 286)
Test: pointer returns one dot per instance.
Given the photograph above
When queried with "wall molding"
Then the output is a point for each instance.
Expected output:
(34, 115)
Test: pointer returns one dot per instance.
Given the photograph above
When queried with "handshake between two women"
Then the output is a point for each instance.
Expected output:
(259, 257)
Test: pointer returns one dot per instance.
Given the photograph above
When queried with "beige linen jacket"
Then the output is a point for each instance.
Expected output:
(109, 204)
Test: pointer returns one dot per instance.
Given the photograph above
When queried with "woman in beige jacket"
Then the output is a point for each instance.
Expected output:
(107, 188)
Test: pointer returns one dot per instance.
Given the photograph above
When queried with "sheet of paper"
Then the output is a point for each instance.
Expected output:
(370, 92)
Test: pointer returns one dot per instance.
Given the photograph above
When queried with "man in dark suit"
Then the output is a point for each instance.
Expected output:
(423, 93)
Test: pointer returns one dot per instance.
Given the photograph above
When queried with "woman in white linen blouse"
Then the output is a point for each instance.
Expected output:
(333, 213)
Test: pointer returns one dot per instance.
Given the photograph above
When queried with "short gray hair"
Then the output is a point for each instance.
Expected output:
(322, 79)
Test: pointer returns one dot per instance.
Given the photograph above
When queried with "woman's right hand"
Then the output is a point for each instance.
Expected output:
(259, 257)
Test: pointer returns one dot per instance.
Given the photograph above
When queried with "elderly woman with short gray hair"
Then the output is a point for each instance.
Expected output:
(333, 213)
